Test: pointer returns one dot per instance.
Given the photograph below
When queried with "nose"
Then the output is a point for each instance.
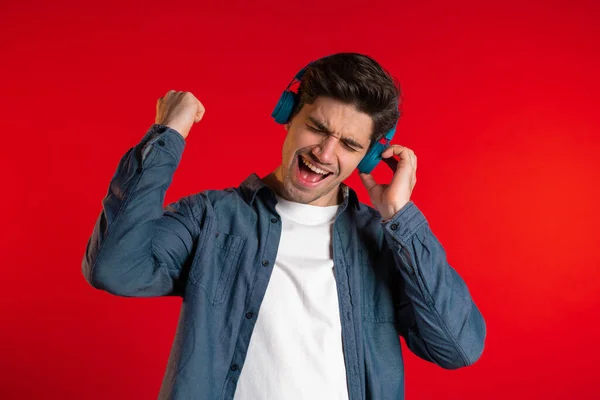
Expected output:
(325, 151)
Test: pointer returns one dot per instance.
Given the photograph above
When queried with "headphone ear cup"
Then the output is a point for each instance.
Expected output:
(372, 158)
(284, 107)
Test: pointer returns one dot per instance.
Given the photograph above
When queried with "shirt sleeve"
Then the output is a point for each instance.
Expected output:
(137, 247)
(437, 316)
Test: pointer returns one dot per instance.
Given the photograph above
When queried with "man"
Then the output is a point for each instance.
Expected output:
(292, 288)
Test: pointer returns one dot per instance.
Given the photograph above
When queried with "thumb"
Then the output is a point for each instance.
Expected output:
(367, 180)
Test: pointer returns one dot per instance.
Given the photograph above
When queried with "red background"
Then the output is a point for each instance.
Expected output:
(501, 109)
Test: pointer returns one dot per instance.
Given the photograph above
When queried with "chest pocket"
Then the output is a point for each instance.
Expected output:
(378, 280)
(215, 264)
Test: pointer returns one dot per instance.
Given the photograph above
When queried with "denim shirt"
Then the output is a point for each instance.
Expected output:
(216, 249)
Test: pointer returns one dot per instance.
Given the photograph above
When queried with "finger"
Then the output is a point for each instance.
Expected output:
(394, 149)
(407, 156)
(200, 112)
(392, 162)
(413, 159)
(367, 180)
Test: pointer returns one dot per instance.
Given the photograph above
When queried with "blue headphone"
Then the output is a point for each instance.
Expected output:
(286, 104)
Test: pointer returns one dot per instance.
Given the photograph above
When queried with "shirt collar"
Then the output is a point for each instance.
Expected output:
(253, 185)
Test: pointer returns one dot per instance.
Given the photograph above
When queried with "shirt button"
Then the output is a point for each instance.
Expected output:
(139, 170)
(233, 367)
(265, 263)
(274, 220)
(394, 226)
(249, 315)
(161, 142)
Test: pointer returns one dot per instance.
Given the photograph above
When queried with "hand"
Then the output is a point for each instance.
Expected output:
(179, 111)
(388, 199)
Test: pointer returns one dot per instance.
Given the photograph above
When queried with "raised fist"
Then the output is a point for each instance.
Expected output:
(179, 111)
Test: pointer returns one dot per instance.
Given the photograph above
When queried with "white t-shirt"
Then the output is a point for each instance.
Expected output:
(295, 351)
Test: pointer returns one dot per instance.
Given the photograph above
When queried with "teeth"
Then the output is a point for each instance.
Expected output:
(313, 168)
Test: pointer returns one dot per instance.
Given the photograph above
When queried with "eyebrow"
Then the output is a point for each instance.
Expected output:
(322, 126)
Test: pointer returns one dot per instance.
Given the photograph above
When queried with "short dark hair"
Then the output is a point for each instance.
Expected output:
(355, 79)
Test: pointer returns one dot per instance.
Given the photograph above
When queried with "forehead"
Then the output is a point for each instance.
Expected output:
(342, 119)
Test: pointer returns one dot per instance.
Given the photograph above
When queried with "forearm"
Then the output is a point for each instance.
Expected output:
(120, 256)
(450, 330)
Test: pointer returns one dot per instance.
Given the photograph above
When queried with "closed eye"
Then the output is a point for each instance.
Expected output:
(312, 128)
(349, 147)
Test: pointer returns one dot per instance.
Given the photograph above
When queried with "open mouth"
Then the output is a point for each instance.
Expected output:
(309, 173)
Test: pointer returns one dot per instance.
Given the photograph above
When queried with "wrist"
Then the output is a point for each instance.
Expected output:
(389, 212)
(179, 128)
